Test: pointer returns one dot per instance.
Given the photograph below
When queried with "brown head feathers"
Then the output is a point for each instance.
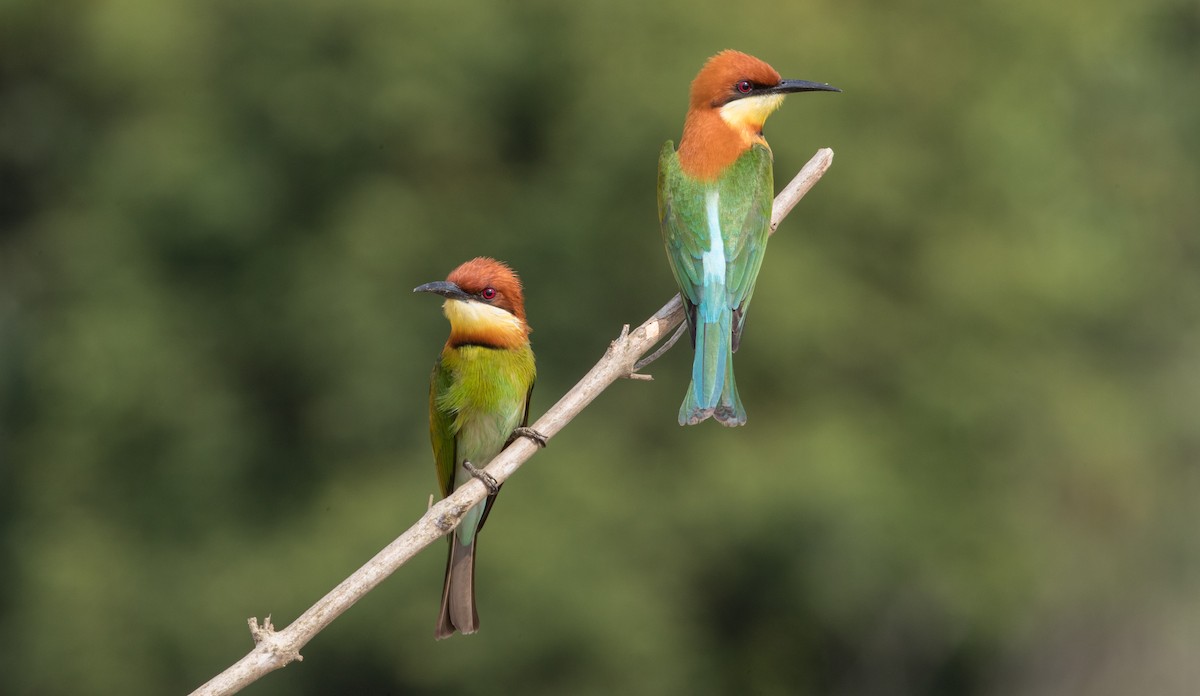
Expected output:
(490, 311)
(492, 282)
(710, 140)
(716, 83)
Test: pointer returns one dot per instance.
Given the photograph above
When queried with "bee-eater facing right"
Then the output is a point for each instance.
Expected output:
(714, 206)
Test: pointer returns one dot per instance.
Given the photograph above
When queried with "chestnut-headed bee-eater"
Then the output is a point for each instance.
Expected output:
(478, 401)
(714, 206)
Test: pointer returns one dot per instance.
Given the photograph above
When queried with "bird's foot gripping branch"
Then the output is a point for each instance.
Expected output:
(538, 438)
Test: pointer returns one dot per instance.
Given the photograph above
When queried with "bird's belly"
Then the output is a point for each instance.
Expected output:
(482, 437)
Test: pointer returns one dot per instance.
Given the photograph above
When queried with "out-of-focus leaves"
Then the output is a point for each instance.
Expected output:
(971, 371)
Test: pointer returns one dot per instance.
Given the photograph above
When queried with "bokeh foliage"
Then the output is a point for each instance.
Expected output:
(973, 368)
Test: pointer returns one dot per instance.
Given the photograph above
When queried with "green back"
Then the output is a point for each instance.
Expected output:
(744, 193)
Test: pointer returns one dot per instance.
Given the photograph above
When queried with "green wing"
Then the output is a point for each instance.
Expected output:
(681, 217)
(445, 450)
(753, 188)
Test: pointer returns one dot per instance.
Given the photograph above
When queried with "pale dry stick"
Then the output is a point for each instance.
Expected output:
(275, 649)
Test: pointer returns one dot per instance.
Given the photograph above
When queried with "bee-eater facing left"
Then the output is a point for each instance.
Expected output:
(478, 401)
(714, 205)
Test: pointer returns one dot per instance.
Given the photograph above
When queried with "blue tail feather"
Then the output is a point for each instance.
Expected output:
(712, 391)
(730, 411)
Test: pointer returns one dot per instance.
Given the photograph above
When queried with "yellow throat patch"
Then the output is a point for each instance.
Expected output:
(749, 114)
(476, 322)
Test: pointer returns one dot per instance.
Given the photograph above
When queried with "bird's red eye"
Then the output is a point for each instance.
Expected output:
(744, 86)
(488, 293)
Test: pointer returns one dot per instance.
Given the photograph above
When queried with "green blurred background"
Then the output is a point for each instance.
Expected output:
(972, 463)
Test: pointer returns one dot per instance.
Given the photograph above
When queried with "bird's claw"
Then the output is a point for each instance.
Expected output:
(484, 477)
(538, 438)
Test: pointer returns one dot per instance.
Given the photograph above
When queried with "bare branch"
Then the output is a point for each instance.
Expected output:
(274, 649)
(641, 364)
(804, 180)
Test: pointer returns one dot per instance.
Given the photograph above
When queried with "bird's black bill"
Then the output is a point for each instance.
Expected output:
(445, 289)
(789, 86)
